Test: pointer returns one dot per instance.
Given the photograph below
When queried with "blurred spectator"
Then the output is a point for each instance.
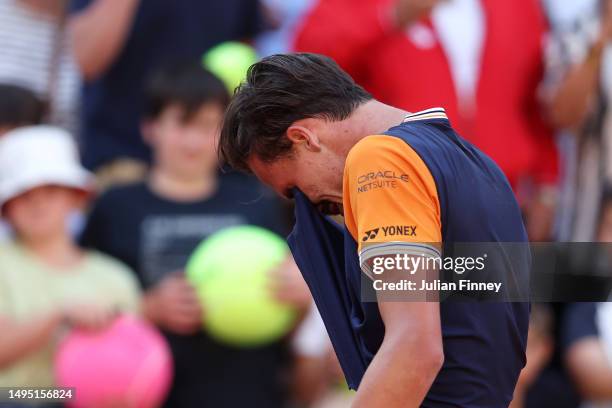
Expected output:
(36, 55)
(155, 225)
(586, 334)
(554, 388)
(45, 279)
(459, 54)
(539, 350)
(319, 380)
(576, 91)
(577, 88)
(18, 107)
(311, 346)
(587, 341)
(582, 273)
(118, 42)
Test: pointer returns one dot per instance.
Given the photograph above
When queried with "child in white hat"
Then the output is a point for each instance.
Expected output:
(46, 280)
(18, 107)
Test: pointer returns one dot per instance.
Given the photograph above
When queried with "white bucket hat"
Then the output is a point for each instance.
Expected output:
(36, 156)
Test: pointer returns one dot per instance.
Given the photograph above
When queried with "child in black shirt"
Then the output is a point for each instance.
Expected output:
(155, 225)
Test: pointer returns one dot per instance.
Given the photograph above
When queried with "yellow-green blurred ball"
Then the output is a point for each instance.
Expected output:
(230, 62)
(230, 271)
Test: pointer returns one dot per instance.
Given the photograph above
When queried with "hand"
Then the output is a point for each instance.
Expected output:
(89, 316)
(407, 12)
(174, 305)
(288, 285)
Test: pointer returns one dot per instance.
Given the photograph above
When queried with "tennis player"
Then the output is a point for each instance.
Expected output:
(406, 183)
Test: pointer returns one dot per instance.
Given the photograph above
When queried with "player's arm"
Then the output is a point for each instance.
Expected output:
(409, 358)
(392, 207)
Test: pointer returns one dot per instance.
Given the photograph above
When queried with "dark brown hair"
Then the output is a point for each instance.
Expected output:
(184, 83)
(19, 107)
(278, 91)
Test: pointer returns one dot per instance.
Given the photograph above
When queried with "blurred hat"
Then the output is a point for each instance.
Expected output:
(36, 156)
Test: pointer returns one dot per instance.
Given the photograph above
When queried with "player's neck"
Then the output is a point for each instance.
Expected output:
(374, 118)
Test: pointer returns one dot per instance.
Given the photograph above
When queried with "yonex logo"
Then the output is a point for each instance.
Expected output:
(371, 234)
(406, 230)
(391, 230)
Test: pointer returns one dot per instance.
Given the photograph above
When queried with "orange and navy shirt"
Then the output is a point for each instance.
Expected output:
(391, 203)
(420, 188)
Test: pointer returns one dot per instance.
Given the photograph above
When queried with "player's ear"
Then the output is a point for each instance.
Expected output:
(302, 136)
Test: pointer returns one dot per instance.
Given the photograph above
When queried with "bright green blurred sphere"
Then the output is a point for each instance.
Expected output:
(230, 62)
(230, 272)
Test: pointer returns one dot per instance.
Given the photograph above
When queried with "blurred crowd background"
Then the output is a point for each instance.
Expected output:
(129, 85)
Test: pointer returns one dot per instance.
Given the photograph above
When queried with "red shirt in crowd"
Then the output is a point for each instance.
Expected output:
(505, 120)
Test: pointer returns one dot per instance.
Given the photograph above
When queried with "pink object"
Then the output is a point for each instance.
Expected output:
(127, 365)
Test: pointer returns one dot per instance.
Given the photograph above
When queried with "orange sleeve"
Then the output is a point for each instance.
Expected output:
(390, 199)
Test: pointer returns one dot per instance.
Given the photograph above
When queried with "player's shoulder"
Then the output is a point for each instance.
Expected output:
(384, 152)
(391, 142)
(379, 158)
(377, 146)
